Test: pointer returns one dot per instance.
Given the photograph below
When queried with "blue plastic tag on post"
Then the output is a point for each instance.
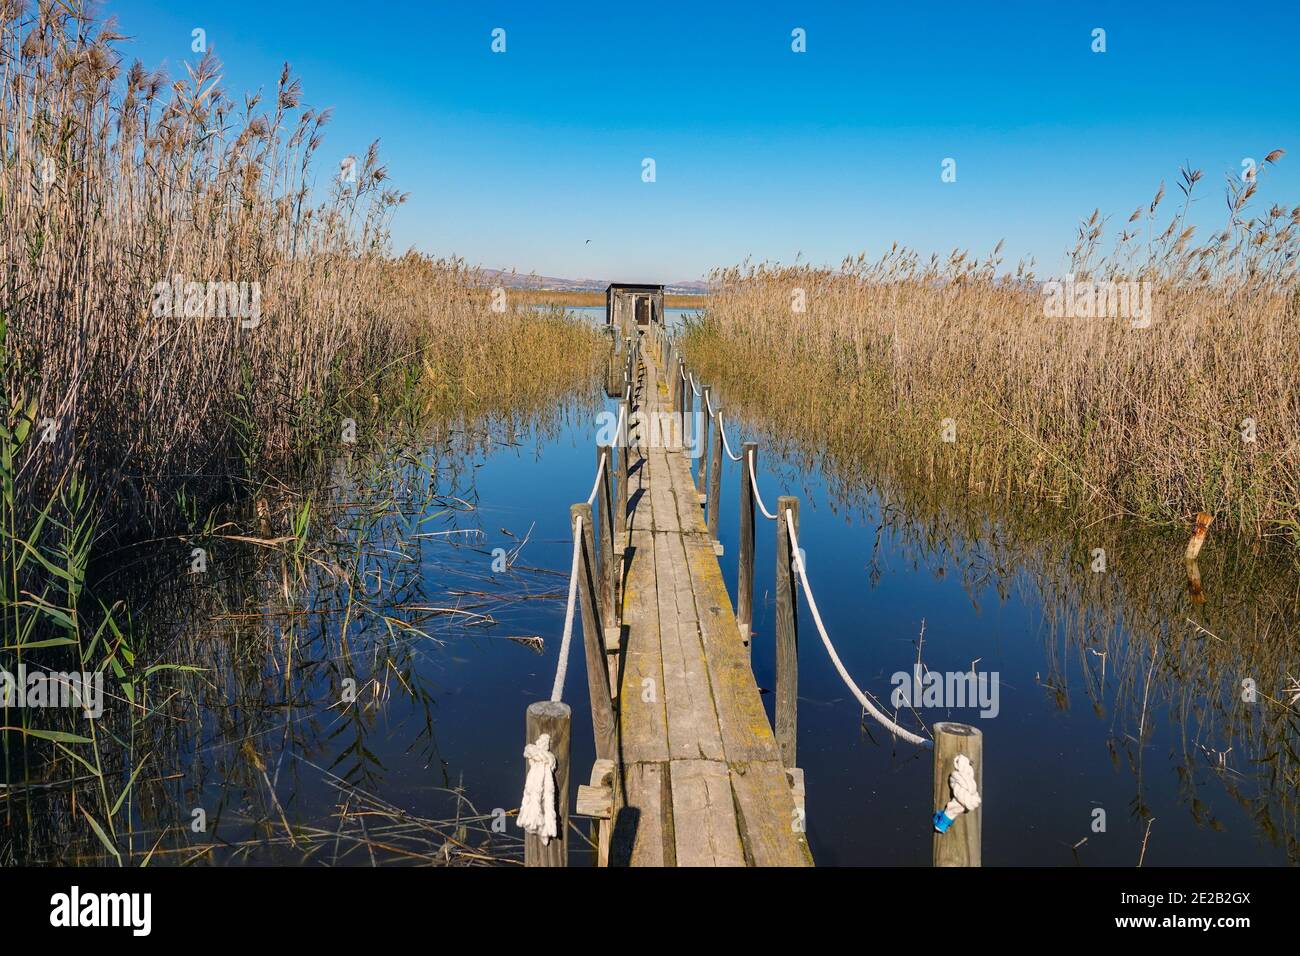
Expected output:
(942, 821)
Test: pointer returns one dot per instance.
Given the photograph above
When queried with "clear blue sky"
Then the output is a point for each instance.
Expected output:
(516, 159)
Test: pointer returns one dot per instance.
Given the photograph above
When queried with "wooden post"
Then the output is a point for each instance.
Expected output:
(745, 572)
(715, 481)
(602, 706)
(688, 414)
(787, 632)
(624, 468)
(745, 569)
(702, 482)
(674, 380)
(554, 718)
(960, 845)
(605, 542)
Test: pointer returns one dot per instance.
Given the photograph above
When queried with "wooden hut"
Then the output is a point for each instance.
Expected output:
(629, 307)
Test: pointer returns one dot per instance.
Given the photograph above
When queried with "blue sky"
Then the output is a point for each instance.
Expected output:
(517, 159)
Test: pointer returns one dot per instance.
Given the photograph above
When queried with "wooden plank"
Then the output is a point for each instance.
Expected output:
(693, 730)
(641, 515)
(643, 827)
(597, 802)
(704, 814)
(769, 825)
(666, 515)
(746, 734)
(644, 722)
(689, 514)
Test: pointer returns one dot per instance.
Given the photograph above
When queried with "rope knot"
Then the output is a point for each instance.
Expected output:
(537, 810)
(965, 793)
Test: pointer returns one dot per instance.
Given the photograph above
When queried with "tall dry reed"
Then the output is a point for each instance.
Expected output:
(1197, 410)
(115, 180)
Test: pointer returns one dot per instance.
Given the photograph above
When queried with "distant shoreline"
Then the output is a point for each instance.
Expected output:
(579, 297)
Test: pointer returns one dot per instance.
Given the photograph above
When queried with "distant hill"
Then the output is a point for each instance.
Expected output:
(516, 280)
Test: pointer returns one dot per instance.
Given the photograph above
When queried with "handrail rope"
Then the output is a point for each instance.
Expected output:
(863, 699)
(600, 473)
(753, 481)
(726, 444)
(694, 388)
(557, 690)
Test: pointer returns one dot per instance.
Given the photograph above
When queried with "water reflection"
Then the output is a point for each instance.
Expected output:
(298, 705)
(1186, 666)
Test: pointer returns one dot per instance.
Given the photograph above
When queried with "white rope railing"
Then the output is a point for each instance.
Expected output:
(753, 482)
(561, 670)
(694, 388)
(600, 473)
(726, 444)
(863, 699)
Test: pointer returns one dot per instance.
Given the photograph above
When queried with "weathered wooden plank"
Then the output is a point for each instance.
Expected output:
(693, 730)
(666, 515)
(769, 825)
(641, 514)
(704, 814)
(597, 802)
(644, 722)
(643, 826)
(746, 733)
(690, 515)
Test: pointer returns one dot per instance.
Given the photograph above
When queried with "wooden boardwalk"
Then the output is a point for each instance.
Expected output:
(699, 780)
(688, 771)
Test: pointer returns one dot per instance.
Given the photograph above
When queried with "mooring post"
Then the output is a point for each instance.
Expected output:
(960, 845)
(715, 480)
(602, 706)
(787, 631)
(745, 571)
(553, 718)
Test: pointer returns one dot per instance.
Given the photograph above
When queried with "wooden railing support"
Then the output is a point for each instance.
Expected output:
(715, 480)
(553, 718)
(623, 440)
(702, 481)
(602, 705)
(688, 415)
(787, 632)
(674, 381)
(961, 845)
(605, 543)
(745, 569)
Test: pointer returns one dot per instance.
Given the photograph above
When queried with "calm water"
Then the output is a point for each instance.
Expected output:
(1116, 691)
